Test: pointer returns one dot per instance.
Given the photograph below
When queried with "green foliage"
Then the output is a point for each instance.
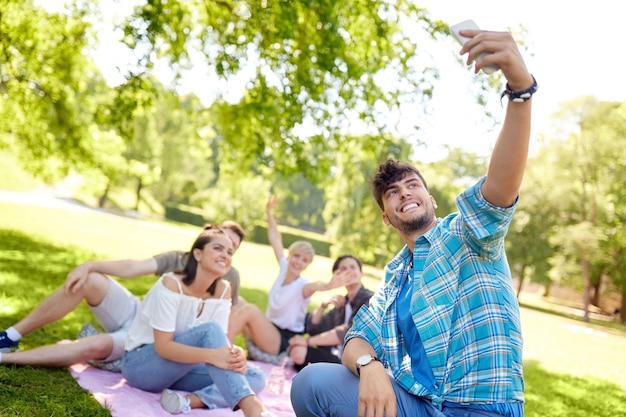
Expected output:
(305, 65)
(236, 196)
(43, 83)
(289, 235)
(185, 214)
(12, 176)
(575, 184)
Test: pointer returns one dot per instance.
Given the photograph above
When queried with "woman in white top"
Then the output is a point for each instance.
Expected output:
(288, 298)
(178, 339)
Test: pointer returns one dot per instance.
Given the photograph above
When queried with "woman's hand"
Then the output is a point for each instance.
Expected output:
(230, 358)
(238, 361)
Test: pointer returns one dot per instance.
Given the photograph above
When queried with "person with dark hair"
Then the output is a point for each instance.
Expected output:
(112, 304)
(441, 336)
(326, 329)
(178, 337)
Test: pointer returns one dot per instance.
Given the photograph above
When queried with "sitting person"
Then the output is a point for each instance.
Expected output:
(112, 304)
(327, 330)
(178, 338)
(268, 334)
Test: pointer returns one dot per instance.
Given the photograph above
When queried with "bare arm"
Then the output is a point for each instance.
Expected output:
(123, 268)
(339, 279)
(508, 159)
(273, 235)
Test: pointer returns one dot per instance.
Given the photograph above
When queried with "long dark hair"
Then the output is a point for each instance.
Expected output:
(191, 266)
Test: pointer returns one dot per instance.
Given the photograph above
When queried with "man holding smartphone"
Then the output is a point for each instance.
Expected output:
(442, 334)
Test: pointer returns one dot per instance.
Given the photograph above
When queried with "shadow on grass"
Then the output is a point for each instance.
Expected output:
(30, 270)
(35, 392)
(556, 395)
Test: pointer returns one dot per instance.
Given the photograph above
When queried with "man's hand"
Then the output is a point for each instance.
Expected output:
(76, 278)
(500, 49)
(376, 395)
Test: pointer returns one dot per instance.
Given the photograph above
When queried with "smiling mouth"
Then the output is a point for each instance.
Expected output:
(408, 207)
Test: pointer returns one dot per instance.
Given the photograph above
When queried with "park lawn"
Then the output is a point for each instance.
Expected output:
(572, 368)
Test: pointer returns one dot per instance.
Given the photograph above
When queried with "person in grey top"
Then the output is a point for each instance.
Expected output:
(112, 304)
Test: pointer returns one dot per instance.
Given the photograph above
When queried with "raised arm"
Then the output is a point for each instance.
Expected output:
(273, 234)
(508, 159)
(123, 268)
(339, 279)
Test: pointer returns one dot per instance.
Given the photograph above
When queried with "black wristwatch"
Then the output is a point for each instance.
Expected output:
(364, 360)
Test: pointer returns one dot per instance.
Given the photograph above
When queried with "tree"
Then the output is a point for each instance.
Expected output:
(44, 78)
(584, 165)
(309, 70)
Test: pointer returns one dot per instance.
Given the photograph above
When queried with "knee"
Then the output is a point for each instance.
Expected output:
(95, 347)
(207, 335)
(256, 379)
(95, 288)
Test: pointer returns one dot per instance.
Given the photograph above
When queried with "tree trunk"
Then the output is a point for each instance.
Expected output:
(546, 293)
(622, 310)
(584, 269)
(105, 195)
(595, 298)
(138, 193)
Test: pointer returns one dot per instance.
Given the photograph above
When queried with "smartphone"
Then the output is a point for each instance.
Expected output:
(469, 24)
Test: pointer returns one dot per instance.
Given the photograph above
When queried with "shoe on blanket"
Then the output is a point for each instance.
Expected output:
(7, 345)
(174, 403)
(86, 331)
(113, 366)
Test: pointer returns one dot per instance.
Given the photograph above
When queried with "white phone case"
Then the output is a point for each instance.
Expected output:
(469, 24)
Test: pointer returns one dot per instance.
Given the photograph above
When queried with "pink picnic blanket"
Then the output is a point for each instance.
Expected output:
(112, 391)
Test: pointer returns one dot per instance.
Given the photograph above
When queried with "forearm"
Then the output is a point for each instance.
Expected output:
(273, 235)
(508, 160)
(313, 287)
(178, 352)
(328, 338)
(124, 268)
(316, 315)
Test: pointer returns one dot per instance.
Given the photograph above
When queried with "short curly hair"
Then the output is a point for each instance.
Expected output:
(389, 172)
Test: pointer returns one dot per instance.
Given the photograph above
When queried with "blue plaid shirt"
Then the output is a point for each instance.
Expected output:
(463, 305)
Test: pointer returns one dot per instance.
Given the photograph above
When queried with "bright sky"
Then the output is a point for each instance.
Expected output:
(575, 47)
(576, 52)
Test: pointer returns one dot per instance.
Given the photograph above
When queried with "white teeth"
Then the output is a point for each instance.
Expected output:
(408, 206)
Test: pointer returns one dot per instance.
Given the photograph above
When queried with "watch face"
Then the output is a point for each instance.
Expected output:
(364, 360)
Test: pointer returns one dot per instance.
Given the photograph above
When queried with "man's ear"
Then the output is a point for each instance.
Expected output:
(386, 220)
(433, 201)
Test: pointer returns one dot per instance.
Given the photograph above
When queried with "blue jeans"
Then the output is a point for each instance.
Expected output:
(331, 390)
(143, 368)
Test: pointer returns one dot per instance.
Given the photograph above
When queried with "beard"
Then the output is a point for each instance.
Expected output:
(415, 224)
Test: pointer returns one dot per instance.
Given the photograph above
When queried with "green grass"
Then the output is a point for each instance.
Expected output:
(572, 368)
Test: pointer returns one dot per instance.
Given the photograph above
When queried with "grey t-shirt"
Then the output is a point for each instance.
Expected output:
(175, 261)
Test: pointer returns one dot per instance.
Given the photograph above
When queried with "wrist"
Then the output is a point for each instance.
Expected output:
(519, 95)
